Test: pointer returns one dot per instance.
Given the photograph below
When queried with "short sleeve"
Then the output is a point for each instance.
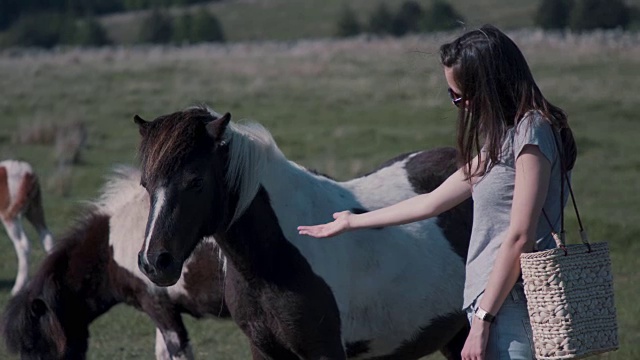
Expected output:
(534, 129)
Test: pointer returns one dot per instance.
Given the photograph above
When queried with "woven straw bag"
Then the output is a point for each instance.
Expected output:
(569, 293)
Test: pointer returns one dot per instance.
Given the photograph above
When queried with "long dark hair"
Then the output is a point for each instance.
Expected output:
(498, 89)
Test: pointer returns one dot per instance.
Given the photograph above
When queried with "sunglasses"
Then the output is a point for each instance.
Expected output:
(455, 98)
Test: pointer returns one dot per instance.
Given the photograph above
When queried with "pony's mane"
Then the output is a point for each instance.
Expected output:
(251, 147)
(121, 185)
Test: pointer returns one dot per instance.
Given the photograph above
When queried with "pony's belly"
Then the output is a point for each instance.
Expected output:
(389, 324)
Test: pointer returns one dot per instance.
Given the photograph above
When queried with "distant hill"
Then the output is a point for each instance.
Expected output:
(260, 20)
(255, 20)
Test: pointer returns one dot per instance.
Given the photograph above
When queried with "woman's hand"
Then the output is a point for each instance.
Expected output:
(476, 345)
(336, 227)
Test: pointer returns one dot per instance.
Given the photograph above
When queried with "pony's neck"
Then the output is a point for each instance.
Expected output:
(260, 242)
(256, 161)
(286, 181)
(96, 294)
(273, 194)
(252, 255)
(89, 254)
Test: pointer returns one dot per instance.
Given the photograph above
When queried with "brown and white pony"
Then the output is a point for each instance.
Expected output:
(93, 268)
(388, 293)
(20, 196)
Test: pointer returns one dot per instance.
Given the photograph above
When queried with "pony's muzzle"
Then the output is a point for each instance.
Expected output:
(144, 265)
(157, 266)
(159, 261)
(163, 261)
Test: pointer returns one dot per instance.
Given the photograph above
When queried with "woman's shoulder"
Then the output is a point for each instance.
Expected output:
(533, 119)
(535, 129)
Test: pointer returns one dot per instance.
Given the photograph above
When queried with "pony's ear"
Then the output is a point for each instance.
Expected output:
(38, 307)
(217, 127)
(142, 124)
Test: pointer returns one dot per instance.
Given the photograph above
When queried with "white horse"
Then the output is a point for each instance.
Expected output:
(20, 196)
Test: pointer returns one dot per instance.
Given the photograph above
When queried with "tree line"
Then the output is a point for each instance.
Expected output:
(49, 29)
(13, 10)
(48, 23)
(584, 15)
(411, 17)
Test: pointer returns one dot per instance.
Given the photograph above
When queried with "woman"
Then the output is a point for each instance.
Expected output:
(507, 134)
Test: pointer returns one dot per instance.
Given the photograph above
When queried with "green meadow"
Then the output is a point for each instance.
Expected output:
(339, 106)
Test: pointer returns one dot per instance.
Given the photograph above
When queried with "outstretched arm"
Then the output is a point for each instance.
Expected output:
(450, 193)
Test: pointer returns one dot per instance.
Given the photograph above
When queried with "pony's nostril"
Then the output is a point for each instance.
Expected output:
(163, 261)
(144, 266)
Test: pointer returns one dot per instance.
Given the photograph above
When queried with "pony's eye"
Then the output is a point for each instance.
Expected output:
(38, 307)
(143, 184)
(195, 184)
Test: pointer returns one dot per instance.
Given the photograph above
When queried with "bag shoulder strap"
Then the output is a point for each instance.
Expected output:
(560, 239)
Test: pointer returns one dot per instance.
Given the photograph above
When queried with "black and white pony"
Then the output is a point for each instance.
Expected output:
(20, 197)
(388, 293)
(93, 268)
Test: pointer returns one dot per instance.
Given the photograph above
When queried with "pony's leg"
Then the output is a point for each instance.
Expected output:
(172, 340)
(21, 244)
(167, 348)
(274, 351)
(329, 355)
(162, 352)
(256, 354)
(47, 241)
(35, 215)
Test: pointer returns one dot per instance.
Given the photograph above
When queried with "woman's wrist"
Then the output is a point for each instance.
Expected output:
(484, 315)
(480, 325)
(349, 219)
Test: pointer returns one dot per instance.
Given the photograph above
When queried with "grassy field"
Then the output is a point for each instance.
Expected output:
(341, 107)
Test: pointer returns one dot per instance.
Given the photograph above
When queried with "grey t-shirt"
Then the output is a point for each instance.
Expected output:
(493, 195)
